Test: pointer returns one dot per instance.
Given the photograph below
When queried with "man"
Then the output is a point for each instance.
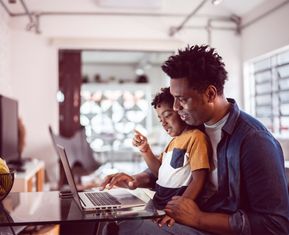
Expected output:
(251, 187)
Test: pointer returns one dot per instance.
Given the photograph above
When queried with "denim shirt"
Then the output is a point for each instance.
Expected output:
(251, 177)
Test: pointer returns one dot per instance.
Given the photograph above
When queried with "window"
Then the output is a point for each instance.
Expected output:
(269, 91)
(110, 113)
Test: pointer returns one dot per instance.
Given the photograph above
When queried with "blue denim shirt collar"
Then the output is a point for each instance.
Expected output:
(233, 117)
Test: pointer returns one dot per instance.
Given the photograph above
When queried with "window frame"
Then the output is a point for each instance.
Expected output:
(258, 89)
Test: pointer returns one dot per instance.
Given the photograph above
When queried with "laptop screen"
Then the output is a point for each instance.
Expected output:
(68, 173)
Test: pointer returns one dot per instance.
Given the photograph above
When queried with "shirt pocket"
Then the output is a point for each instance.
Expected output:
(178, 158)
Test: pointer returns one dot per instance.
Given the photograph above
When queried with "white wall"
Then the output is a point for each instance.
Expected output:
(34, 79)
(268, 34)
(34, 70)
(228, 45)
(5, 87)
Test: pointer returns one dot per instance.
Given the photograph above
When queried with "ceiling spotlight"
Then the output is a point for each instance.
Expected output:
(216, 2)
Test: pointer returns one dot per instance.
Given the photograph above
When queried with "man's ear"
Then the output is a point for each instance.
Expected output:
(211, 93)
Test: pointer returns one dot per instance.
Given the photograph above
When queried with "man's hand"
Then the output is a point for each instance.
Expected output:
(120, 180)
(184, 210)
(169, 221)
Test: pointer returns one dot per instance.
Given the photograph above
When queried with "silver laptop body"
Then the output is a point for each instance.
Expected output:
(118, 198)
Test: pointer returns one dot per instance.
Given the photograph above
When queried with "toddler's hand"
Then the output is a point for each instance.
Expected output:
(140, 141)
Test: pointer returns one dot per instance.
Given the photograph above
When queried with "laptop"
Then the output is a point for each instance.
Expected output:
(112, 199)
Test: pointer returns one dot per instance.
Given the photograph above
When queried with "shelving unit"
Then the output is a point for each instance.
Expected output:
(32, 179)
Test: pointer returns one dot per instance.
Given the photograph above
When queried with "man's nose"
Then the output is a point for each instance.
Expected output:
(177, 105)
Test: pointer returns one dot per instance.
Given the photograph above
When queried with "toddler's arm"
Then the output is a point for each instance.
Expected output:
(197, 183)
(140, 141)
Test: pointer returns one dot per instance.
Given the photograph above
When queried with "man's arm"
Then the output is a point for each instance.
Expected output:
(264, 205)
(145, 179)
(186, 211)
(264, 184)
(142, 180)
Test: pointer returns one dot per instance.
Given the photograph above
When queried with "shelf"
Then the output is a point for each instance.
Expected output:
(32, 179)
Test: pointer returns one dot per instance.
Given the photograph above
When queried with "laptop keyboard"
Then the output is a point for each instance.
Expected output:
(102, 199)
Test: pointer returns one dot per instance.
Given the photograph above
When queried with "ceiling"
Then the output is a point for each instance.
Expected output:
(183, 9)
(174, 14)
(242, 7)
(132, 6)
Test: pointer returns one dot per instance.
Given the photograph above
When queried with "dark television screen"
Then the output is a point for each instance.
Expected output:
(9, 130)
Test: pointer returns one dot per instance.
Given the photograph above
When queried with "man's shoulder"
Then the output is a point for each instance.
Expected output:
(241, 119)
(249, 129)
(250, 123)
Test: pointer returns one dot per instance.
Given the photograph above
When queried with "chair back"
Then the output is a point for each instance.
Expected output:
(78, 151)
